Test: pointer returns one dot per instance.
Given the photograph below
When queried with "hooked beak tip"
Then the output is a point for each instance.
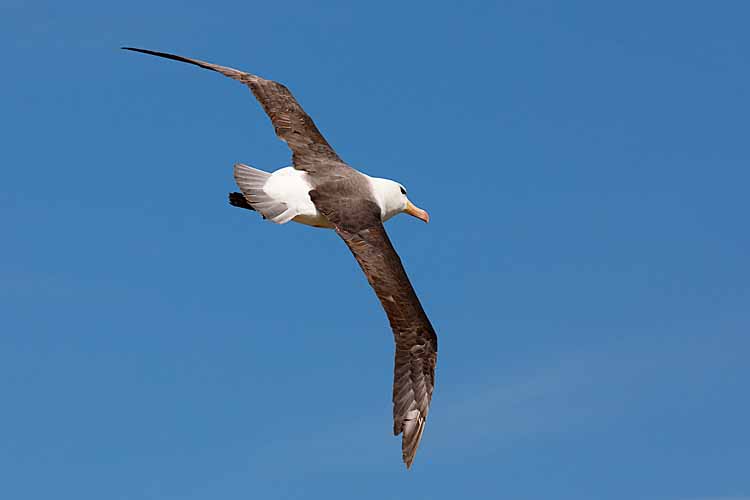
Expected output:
(417, 212)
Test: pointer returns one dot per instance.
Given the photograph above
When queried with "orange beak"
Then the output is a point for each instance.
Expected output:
(416, 212)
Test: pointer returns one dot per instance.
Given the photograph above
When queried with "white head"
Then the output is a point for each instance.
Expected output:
(391, 196)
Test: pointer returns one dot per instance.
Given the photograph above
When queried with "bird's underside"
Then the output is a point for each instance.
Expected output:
(339, 193)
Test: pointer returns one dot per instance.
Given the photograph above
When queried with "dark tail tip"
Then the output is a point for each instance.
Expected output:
(239, 201)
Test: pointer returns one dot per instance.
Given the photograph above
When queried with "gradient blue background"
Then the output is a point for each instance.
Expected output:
(586, 168)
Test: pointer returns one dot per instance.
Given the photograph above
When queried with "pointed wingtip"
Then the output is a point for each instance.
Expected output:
(230, 72)
(412, 429)
(145, 51)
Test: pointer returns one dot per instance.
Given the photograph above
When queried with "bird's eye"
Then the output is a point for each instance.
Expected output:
(403, 191)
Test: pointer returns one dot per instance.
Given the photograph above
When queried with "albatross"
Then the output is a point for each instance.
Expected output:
(322, 190)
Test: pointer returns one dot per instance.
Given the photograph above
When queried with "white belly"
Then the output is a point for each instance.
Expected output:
(292, 187)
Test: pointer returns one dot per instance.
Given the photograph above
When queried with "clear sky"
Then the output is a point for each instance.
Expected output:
(587, 266)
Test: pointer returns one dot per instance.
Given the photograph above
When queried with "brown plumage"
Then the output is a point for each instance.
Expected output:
(343, 195)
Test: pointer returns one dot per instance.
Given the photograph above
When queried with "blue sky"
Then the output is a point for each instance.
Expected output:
(585, 165)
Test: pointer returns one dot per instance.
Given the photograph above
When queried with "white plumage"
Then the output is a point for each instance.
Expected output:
(284, 195)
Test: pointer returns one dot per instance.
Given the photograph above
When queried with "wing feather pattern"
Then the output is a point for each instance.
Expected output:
(416, 341)
(292, 124)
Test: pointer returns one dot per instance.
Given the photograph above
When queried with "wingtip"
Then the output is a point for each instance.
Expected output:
(408, 460)
(412, 436)
(143, 51)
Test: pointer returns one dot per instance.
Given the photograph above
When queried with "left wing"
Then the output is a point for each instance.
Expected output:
(309, 148)
(416, 341)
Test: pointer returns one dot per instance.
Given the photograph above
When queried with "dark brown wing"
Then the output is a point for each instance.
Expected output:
(292, 124)
(416, 342)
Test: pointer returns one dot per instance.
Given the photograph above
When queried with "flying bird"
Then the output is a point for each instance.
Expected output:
(321, 190)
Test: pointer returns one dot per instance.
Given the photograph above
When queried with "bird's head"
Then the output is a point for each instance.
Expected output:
(391, 197)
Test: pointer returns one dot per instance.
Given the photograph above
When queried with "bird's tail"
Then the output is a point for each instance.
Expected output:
(251, 182)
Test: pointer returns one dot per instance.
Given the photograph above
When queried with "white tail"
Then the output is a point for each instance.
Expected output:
(251, 181)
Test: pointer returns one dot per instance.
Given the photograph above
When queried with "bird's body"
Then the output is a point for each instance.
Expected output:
(291, 187)
(321, 190)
